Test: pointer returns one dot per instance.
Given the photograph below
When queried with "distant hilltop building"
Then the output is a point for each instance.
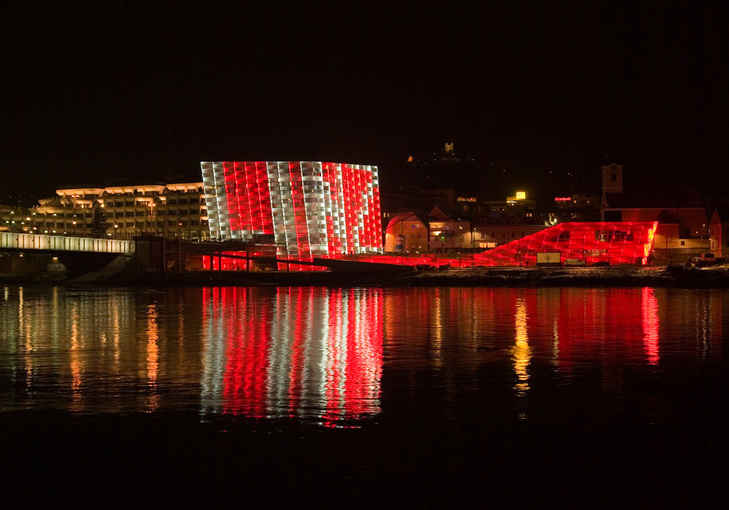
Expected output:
(442, 168)
(310, 208)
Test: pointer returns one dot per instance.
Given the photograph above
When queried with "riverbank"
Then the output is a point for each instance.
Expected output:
(621, 276)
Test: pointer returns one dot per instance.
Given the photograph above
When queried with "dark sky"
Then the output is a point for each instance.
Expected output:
(95, 90)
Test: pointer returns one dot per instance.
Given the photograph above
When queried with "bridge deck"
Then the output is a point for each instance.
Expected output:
(50, 243)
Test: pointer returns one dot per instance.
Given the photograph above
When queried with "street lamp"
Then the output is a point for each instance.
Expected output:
(152, 216)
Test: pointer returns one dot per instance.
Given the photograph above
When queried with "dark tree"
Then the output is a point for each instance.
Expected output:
(98, 223)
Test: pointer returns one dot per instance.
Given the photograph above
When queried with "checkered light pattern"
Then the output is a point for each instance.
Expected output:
(615, 243)
(312, 208)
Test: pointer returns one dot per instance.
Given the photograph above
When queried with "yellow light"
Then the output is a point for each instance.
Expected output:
(521, 352)
(521, 195)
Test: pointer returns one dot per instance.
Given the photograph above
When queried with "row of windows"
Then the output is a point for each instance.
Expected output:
(62, 215)
(130, 214)
(141, 224)
(182, 201)
(51, 224)
(81, 226)
(493, 235)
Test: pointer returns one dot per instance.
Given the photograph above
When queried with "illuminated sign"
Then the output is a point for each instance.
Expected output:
(466, 199)
(520, 195)
(562, 199)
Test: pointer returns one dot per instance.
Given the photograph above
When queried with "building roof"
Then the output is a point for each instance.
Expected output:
(407, 217)
(720, 214)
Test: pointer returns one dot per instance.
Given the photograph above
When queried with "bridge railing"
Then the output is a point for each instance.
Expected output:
(64, 243)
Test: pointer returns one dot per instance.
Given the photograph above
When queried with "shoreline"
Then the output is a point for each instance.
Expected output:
(620, 276)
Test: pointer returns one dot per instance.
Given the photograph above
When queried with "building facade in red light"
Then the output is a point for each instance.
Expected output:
(310, 208)
(611, 243)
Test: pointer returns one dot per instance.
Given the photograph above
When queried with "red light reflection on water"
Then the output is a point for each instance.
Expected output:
(310, 352)
(247, 344)
(568, 328)
(620, 324)
(650, 325)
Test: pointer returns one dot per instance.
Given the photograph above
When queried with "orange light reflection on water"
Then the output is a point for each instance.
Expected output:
(152, 351)
(521, 352)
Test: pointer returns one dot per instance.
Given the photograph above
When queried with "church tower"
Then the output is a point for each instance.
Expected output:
(612, 182)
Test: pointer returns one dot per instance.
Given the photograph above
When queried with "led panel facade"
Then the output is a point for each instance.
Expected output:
(614, 243)
(310, 208)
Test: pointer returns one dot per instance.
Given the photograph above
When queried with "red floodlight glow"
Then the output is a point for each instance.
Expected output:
(614, 243)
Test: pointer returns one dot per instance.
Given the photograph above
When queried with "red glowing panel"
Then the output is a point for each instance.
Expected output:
(611, 243)
(313, 209)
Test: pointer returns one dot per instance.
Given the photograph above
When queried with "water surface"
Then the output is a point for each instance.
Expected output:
(582, 391)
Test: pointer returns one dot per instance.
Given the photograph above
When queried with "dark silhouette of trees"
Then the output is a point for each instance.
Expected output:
(99, 225)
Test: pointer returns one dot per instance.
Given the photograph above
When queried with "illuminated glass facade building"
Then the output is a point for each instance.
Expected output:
(613, 243)
(310, 208)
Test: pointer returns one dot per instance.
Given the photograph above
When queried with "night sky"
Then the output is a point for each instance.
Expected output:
(542, 92)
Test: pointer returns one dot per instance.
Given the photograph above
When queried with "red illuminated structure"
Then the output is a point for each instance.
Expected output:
(310, 208)
(588, 243)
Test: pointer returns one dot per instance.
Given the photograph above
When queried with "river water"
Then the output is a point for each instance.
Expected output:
(388, 397)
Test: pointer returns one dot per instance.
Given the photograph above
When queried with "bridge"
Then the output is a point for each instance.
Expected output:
(81, 255)
(50, 244)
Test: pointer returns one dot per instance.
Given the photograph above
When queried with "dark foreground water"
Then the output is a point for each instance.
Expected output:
(370, 397)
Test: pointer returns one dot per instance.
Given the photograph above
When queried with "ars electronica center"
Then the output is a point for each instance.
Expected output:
(312, 209)
(329, 210)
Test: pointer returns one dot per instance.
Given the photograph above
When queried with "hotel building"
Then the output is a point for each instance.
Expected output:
(172, 210)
